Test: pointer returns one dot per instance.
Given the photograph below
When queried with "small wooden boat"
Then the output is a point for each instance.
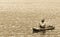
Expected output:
(43, 29)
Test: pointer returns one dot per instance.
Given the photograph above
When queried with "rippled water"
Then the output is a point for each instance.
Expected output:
(20, 24)
(18, 17)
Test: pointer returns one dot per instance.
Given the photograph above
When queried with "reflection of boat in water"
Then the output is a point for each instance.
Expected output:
(43, 29)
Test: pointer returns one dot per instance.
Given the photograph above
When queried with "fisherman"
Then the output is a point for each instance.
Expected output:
(43, 24)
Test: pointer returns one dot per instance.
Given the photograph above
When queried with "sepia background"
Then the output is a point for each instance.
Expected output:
(18, 17)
